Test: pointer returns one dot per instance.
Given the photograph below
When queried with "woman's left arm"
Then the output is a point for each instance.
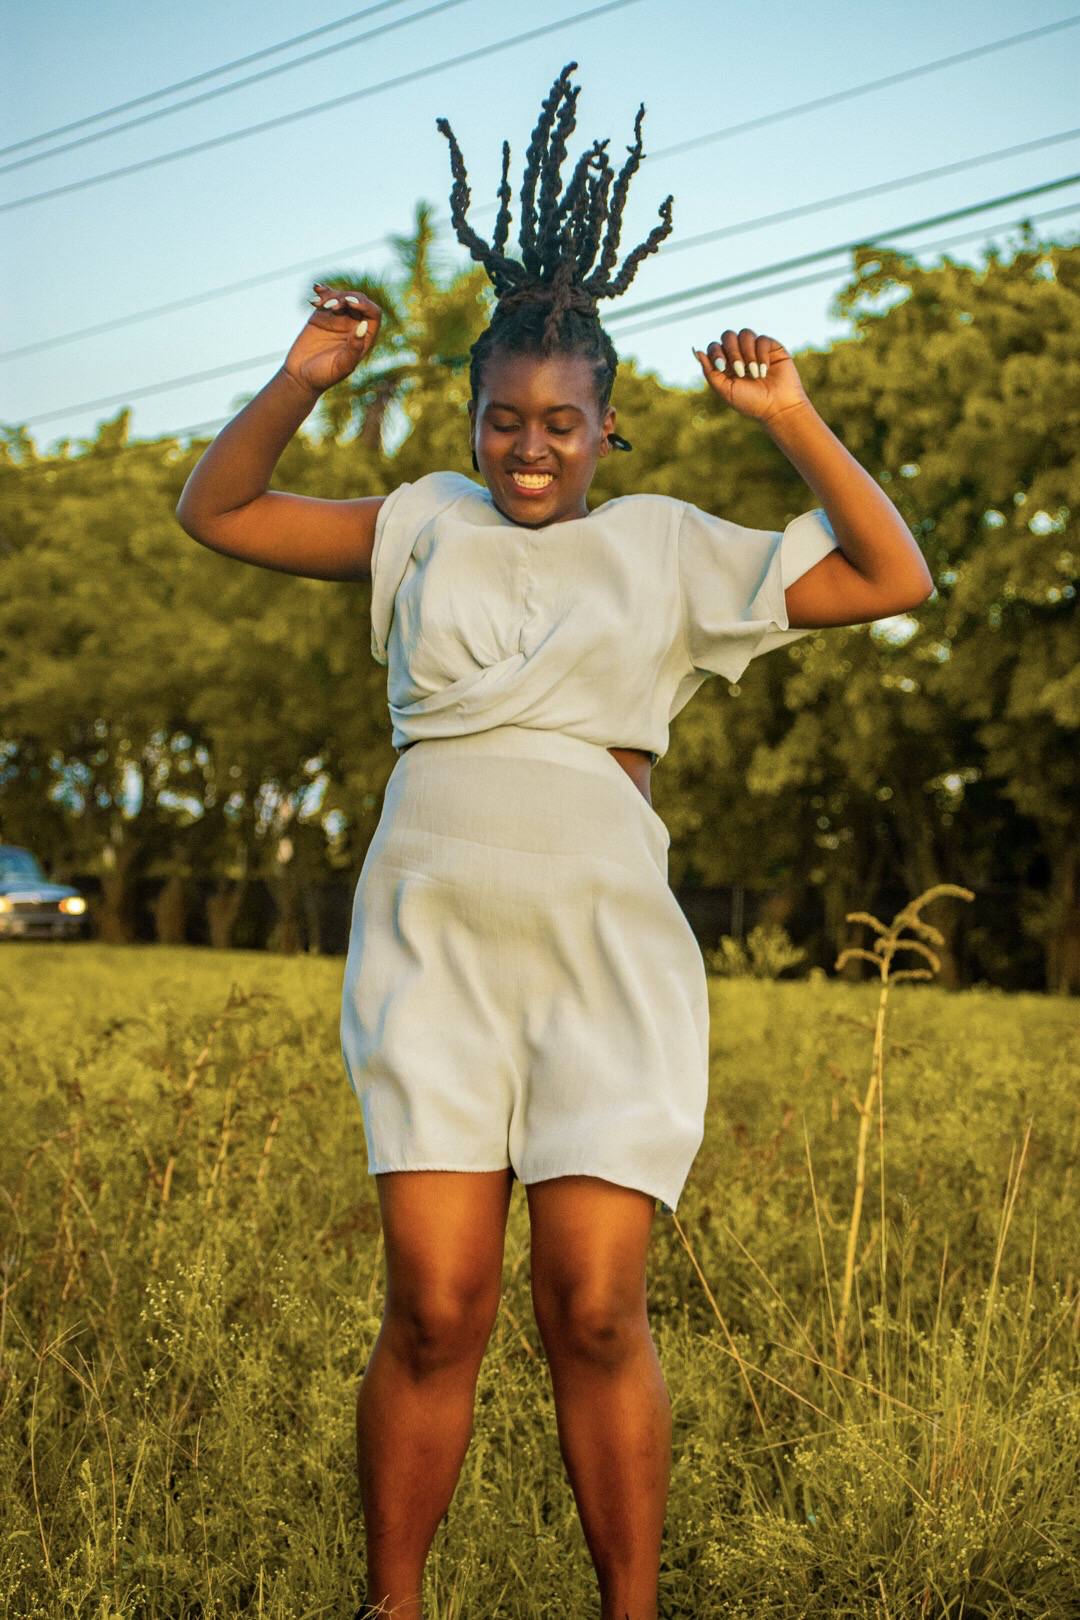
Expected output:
(879, 569)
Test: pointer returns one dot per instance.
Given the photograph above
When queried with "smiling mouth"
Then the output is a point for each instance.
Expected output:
(532, 483)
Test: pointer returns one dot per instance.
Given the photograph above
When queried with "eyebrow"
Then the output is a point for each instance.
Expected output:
(549, 410)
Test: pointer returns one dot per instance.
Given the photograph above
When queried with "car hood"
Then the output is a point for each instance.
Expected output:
(20, 889)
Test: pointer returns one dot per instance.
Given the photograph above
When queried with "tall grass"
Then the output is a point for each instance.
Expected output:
(192, 1281)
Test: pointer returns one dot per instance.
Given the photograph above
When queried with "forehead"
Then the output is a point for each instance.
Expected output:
(539, 382)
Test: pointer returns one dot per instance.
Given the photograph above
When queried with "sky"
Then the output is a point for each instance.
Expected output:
(323, 191)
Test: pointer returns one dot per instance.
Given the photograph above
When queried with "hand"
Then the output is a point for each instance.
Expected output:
(340, 333)
(754, 374)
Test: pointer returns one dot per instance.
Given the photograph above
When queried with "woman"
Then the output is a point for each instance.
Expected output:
(523, 995)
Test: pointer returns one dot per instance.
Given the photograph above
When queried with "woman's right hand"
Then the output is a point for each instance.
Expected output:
(341, 332)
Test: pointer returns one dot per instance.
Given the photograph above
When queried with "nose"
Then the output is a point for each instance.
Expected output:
(531, 442)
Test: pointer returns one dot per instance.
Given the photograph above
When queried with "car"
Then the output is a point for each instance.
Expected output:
(30, 906)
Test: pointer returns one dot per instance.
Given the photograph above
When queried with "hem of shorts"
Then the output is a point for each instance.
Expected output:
(484, 1169)
(463, 1169)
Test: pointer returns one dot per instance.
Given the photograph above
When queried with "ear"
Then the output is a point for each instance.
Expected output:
(607, 428)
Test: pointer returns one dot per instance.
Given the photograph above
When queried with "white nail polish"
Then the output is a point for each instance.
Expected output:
(764, 368)
(331, 303)
(361, 330)
(354, 301)
(720, 363)
(754, 369)
(739, 369)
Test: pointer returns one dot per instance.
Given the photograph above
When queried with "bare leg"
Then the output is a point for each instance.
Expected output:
(589, 1245)
(444, 1233)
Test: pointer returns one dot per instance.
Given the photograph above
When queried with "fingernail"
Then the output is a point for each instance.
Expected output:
(739, 369)
(754, 369)
(764, 368)
(331, 303)
(720, 363)
(361, 330)
(355, 301)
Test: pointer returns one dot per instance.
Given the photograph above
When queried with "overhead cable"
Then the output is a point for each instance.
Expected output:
(903, 77)
(238, 84)
(678, 245)
(198, 78)
(869, 240)
(820, 276)
(319, 106)
(740, 280)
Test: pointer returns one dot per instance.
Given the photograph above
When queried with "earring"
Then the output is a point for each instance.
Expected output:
(476, 464)
(617, 443)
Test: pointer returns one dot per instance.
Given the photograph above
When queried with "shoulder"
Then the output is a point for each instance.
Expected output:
(640, 514)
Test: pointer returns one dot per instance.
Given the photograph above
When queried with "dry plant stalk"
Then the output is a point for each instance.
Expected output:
(886, 945)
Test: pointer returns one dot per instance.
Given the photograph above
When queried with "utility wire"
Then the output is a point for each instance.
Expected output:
(678, 245)
(178, 304)
(197, 428)
(729, 282)
(198, 78)
(838, 96)
(682, 243)
(239, 84)
(870, 240)
(830, 275)
(319, 106)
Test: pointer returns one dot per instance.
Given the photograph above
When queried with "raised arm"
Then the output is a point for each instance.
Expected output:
(879, 570)
(226, 503)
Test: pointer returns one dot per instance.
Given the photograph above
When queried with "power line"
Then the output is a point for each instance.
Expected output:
(239, 84)
(682, 243)
(178, 304)
(678, 245)
(728, 283)
(803, 259)
(820, 276)
(198, 78)
(838, 96)
(155, 388)
(319, 106)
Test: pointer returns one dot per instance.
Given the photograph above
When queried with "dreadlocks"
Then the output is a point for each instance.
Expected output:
(568, 240)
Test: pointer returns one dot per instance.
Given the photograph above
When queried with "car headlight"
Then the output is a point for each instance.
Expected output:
(5, 904)
(74, 905)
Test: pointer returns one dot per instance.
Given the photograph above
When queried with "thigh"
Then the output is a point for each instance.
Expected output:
(444, 1232)
(590, 1245)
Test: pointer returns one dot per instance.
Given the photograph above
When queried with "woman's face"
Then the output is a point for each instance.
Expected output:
(538, 432)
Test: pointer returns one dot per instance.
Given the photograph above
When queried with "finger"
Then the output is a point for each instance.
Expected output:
(733, 353)
(763, 349)
(716, 357)
(748, 352)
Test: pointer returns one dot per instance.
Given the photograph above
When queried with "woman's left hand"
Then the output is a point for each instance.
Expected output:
(753, 373)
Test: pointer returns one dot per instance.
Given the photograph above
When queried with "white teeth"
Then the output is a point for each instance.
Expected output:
(532, 480)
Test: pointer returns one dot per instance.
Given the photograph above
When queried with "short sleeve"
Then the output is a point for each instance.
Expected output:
(402, 516)
(732, 582)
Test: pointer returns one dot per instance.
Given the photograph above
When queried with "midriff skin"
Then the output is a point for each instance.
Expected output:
(637, 764)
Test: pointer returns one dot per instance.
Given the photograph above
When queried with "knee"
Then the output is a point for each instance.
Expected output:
(436, 1331)
(600, 1330)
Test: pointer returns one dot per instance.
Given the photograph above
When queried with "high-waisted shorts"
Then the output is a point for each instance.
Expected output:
(522, 989)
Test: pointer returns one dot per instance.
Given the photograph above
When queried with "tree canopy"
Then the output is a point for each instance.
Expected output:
(168, 711)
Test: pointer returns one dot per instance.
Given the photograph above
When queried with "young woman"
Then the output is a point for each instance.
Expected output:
(522, 994)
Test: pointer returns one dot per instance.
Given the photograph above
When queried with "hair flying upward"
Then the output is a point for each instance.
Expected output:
(568, 237)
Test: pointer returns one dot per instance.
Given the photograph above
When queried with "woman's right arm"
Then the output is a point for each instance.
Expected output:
(226, 503)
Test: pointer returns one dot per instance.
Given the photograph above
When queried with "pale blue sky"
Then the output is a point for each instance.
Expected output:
(300, 193)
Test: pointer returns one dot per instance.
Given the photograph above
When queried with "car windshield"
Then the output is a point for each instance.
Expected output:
(17, 864)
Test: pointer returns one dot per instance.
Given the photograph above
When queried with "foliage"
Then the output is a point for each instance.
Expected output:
(766, 953)
(167, 711)
(193, 1282)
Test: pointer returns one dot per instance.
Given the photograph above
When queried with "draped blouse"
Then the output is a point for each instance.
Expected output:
(602, 627)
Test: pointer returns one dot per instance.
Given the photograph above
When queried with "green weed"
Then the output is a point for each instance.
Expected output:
(192, 1281)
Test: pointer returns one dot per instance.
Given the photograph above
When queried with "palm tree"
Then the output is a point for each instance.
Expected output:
(430, 321)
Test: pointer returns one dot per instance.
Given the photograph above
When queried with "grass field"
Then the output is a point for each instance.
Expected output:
(192, 1283)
